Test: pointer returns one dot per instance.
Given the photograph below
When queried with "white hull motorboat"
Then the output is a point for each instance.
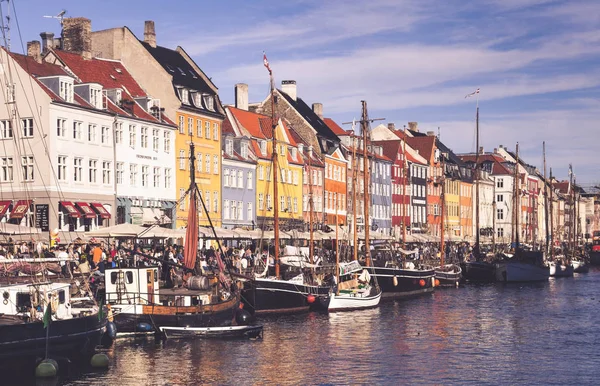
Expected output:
(354, 299)
(558, 269)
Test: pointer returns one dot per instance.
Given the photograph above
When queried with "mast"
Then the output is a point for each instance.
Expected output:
(354, 193)
(546, 200)
(477, 177)
(365, 128)
(551, 218)
(337, 252)
(517, 199)
(443, 207)
(574, 217)
(403, 181)
(494, 207)
(311, 258)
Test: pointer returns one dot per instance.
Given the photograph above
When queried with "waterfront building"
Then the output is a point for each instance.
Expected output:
(143, 137)
(53, 162)
(336, 167)
(239, 180)
(188, 95)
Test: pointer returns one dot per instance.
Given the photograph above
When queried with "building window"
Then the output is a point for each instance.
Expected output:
(263, 147)
(500, 232)
(250, 212)
(93, 168)
(215, 164)
(181, 198)
(106, 165)
(305, 203)
(500, 183)
(240, 177)
(155, 140)
(261, 173)
(240, 211)
(226, 210)
(500, 198)
(133, 174)
(119, 133)
(199, 127)
(132, 138)
(215, 202)
(77, 130)
(27, 127)
(7, 169)
(6, 130)
(190, 126)
(66, 91)
(167, 178)
(500, 214)
(181, 159)
(233, 179)
(145, 176)
(207, 130)
(77, 169)
(167, 137)
(281, 203)
(181, 126)
(234, 210)
(207, 200)
(92, 133)
(144, 137)
(120, 173)
(62, 168)
(226, 177)
(229, 146)
(269, 202)
(249, 181)
(215, 131)
(207, 163)
(295, 204)
(61, 129)
(244, 150)
(104, 134)
(156, 177)
(261, 201)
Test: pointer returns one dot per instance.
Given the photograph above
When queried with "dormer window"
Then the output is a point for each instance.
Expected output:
(229, 146)
(244, 150)
(184, 96)
(96, 97)
(209, 101)
(263, 147)
(294, 153)
(282, 150)
(66, 90)
(197, 99)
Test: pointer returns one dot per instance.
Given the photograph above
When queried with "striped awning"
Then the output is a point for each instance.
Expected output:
(20, 209)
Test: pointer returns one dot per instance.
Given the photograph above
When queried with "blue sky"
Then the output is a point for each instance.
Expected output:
(536, 61)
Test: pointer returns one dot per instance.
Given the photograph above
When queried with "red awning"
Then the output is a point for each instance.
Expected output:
(86, 209)
(101, 210)
(4, 207)
(20, 209)
(70, 208)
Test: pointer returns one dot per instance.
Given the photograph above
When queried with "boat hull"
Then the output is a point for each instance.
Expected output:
(348, 302)
(521, 272)
(595, 258)
(407, 284)
(479, 272)
(561, 270)
(228, 332)
(448, 276)
(271, 296)
(580, 266)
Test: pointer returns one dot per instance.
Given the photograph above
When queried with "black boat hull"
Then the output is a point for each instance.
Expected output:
(267, 296)
(407, 283)
(595, 258)
(478, 271)
(71, 338)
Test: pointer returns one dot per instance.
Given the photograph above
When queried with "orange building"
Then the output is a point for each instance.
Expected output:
(466, 210)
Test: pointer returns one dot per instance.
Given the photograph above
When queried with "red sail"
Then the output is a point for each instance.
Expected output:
(191, 234)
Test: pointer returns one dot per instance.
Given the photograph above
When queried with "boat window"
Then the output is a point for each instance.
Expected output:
(61, 297)
(149, 276)
(128, 277)
(23, 300)
(113, 277)
(156, 275)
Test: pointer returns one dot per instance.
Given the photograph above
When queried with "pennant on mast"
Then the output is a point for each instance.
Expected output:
(471, 94)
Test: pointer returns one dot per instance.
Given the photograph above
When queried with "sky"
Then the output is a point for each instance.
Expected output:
(535, 62)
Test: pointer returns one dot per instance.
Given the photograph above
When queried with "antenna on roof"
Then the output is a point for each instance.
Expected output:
(60, 16)
(6, 28)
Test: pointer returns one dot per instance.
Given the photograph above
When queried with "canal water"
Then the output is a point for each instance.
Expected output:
(544, 333)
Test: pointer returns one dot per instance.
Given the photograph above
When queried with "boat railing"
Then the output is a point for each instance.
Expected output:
(177, 300)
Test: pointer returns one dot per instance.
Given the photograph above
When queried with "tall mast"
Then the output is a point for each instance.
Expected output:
(354, 167)
(551, 218)
(517, 199)
(574, 217)
(337, 252)
(546, 200)
(443, 208)
(494, 207)
(477, 176)
(403, 182)
(311, 258)
(365, 128)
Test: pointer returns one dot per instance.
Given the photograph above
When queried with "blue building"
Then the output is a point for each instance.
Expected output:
(381, 192)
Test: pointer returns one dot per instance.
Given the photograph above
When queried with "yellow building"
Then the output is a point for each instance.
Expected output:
(452, 210)
(259, 129)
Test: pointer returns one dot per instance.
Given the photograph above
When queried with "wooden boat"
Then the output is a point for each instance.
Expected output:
(227, 332)
(354, 293)
(478, 271)
(448, 275)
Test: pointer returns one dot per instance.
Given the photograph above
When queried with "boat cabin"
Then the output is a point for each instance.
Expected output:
(137, 285)
(29, 300)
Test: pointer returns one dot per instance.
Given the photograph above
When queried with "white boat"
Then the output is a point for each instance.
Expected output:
(213, 332)
(559, 269)
(518, 271)
(355, 294)
(580, 266)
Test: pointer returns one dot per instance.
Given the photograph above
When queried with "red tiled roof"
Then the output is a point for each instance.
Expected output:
(38, 69)
(249, 121)
(562, 186)
(337, 130)
(359, 151)
(497, 166)
(423, 145)
(226, 127)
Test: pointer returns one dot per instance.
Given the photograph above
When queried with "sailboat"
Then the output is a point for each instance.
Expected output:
(209, 300)
(270, 292)
(479, 270)
(356, 291)
(577, 261)
(447, 275)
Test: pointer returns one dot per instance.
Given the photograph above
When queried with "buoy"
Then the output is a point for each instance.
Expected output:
(310, 299)
(422, 283)
(437, 283)
(395, 281)
(144, 327)
(110, 335)
(46, 369)
(243, 317)
(99, 361)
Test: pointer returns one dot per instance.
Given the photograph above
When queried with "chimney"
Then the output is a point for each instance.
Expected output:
(413, 126)
(392, 126)
(429, 133)
(47, 41)
(77, 36)
(318, 109)
(150, 35)
(495, 150)
(289, 87)
(34, 50)
(241, 96)
(480, 149)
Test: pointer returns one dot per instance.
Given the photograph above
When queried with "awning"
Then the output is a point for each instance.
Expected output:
(70, 208)
(86, 209)
(4, 207)
(101, 210)
(20, 209)
(148, 216)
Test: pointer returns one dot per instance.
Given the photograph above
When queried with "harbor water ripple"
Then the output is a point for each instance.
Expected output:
(544, 333)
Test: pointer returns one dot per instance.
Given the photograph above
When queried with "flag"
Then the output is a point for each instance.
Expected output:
(101, 311)
(266, 62)
(47, 319)
(473, 93)
(570, 170)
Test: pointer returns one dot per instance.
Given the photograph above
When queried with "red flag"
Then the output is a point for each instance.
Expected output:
(266, 62)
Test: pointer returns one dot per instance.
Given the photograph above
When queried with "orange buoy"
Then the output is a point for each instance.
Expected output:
(422, 283)
(437, 283)
(310, 299)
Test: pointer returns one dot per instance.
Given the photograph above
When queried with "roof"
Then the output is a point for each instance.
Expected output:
(315, 160)
(498, 163)
(334, 127)
(249, 121)
(36, 69)
(424, 145)
(392, 147)
(359, 151)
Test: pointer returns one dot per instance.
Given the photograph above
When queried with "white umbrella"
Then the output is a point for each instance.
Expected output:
(121, 230)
